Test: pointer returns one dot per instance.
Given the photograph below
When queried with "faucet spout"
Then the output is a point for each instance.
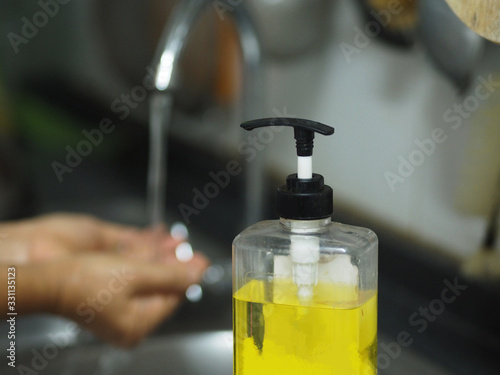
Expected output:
(173, 42)
(167, 59)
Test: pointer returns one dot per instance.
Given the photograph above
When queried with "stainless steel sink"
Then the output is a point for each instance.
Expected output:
(208, 353)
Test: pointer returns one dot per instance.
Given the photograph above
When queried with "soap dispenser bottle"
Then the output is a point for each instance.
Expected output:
(304, 287)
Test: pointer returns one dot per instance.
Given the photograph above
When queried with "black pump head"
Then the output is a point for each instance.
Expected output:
(303, 129)
(301, 198)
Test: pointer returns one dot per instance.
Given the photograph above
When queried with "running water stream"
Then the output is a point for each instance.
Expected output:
(160, 111)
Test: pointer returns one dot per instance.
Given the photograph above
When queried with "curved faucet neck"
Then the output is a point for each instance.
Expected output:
(167, 60)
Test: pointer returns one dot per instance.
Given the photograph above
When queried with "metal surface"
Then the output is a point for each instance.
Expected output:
(291, 28)
(454, 48)
(209, 353)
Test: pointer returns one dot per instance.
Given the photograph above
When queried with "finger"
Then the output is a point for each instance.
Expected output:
(165, 249)
(147, 248)
(145, 314)
(116, 237)
(173, 258)
(83, 232)
(167, 278)
(169, 244)
(156, 308)
(200, 260)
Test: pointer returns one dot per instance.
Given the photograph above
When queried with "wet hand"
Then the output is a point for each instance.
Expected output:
(120, 300)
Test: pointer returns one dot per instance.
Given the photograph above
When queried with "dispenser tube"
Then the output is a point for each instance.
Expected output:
(304, 251)
(304, 167)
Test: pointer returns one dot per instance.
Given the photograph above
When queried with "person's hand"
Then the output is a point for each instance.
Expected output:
(120, 300)
(117, 281)
(55, 235)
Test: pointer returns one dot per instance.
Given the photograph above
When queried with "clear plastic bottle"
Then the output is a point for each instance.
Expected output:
(305, 288)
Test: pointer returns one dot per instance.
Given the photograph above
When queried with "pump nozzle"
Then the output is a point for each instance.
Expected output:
(305, 196)
(304, 136)
(303, 130)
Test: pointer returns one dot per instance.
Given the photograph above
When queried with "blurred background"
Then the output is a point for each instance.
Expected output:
(413, 95)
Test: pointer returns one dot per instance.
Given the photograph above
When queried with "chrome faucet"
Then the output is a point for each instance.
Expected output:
(166, 63)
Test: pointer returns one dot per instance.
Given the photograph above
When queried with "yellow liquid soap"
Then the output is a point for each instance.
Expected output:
(333, 334)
